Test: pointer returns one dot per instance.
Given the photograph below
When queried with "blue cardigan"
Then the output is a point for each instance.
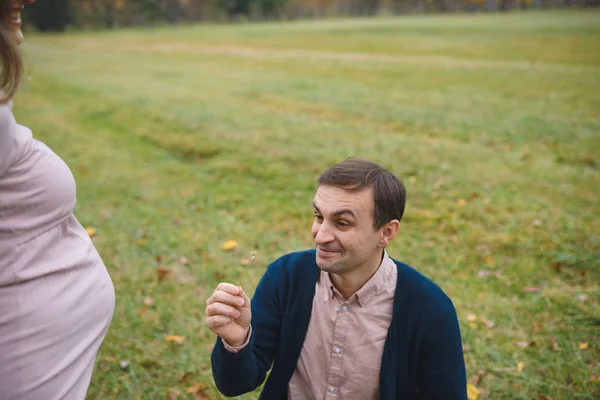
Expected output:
(422, 356)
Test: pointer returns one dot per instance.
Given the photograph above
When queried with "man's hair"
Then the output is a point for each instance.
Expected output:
(355, 174)
(11, 64)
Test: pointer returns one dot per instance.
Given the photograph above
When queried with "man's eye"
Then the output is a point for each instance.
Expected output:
(342, 224)
(318, 217)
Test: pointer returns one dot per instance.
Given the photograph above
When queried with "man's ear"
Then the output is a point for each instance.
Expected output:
(389, 232)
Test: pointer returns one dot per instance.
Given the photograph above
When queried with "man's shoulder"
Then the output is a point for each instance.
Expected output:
(293, 263)
(415, 287)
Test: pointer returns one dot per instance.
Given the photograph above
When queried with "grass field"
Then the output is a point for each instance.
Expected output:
(182, 138)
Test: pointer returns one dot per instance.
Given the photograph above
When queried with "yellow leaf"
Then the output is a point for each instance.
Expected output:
(91, 231)
(175, 339)
(461, 202)
(229, 245)
(520, 366)
(472, 392)
(412, 179)
(196, 388)
(584, 345)
(489, 260)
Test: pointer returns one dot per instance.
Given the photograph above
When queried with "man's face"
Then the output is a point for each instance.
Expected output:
(343, 230)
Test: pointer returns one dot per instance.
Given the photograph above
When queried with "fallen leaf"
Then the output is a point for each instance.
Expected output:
(520, 366)
(489, 260)
(479, 377)
(172, 394)
(472, 392)
(158, 258)
(583, 345)
(582, 298)
(474, 195)
(162, 273)
(142, 311)
(554, 345)
(489, 324)
(201, 396)
(184, 377)
(149, 301)
(531, 289)
(91, 231)
(196, 388)
(471, 317)
(412, 179)
(245, 261)
(229, 245)
(483, 273)
(536, 326)
(557, 266)
(542, 396)
(461, 202)
(175, 339)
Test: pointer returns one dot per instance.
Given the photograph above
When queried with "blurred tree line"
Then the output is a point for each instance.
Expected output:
(57, 15)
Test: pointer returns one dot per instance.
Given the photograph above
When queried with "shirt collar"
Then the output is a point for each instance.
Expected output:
(369, 289)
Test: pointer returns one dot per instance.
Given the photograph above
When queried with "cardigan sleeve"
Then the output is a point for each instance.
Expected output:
(441, 370)
(244, 371)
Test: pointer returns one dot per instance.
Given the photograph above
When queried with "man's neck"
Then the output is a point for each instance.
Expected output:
(349, 283)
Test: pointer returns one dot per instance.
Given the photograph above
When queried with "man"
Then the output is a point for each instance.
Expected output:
(343, 321)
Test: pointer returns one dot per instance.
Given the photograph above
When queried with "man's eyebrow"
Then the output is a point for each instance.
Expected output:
(342, 212)
(337, 213)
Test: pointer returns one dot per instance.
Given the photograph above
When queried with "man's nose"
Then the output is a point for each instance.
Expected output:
(324, 234)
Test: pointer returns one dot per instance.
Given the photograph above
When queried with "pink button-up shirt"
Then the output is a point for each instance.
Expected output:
(341, 355)
(342, 351)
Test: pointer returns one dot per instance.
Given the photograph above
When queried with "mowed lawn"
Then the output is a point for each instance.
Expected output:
(182, 138)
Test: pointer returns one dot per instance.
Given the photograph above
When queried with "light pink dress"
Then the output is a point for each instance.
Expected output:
(56, 297)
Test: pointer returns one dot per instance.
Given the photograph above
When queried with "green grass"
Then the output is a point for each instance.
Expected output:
(181, 138)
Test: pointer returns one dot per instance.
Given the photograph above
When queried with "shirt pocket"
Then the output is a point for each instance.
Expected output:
(365, 382)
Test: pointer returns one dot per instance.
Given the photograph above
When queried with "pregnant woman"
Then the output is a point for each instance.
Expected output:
(56, 297)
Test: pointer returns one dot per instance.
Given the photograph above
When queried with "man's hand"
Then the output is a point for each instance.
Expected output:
(228, 314)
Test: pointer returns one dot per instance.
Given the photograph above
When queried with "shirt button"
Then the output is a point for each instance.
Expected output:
(337, 349)
(344, 308)
(331, 389)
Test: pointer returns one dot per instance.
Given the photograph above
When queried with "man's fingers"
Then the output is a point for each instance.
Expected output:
(226, 298)
(218, 321)
(221, 309)
(228, 288)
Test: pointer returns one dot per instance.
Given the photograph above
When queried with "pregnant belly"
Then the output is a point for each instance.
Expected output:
(53, 316)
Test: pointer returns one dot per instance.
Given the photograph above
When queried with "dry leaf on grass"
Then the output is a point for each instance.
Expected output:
(472, 392)
(162, 273)
(229, 245)
(149, 301)
(175, 339)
